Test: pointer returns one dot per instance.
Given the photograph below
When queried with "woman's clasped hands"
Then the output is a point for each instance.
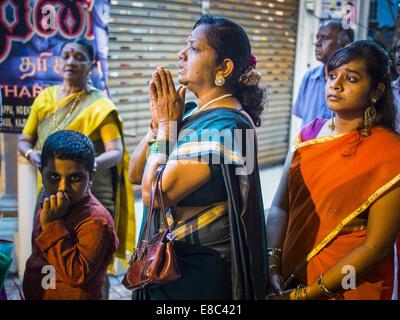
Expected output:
(166, 103)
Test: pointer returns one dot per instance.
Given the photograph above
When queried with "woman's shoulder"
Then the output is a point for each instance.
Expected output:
(386, 136)
(98, 93)
(230, 118)
(45, 100)
(48, 92)
(100, 98)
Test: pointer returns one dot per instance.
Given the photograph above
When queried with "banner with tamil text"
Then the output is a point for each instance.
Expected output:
(31, 34)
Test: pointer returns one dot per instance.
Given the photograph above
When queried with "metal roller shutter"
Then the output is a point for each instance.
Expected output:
(272, 27)
(145, 34)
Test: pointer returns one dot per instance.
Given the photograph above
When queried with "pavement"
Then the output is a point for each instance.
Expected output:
(117, 291)
(269, 182)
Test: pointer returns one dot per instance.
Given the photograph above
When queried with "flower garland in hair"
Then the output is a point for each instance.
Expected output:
(253, 61)
(251, 77)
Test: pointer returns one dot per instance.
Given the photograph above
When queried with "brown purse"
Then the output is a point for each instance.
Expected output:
(154, 261)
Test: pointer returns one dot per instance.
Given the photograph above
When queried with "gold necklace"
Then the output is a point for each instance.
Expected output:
(72, 109)
(214, 100)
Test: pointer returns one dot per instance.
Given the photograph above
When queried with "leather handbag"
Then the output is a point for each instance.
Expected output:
(154, 261)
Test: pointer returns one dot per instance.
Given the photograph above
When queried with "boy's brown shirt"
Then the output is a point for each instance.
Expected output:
(79, 247)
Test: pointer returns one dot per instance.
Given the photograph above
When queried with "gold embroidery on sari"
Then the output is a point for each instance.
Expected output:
(204, 219)
(345, 221)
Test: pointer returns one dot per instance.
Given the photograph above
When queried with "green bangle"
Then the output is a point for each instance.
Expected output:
(158, 146)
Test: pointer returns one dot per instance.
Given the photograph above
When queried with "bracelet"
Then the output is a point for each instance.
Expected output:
(322, 287)
(273, 266)
(300, 292)
(274, 252)
(158, 146)
(27, 153)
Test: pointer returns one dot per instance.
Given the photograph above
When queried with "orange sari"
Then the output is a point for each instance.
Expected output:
(333, 180)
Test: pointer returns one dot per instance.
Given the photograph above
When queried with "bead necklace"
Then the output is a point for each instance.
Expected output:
(214, 100)
(72, 109)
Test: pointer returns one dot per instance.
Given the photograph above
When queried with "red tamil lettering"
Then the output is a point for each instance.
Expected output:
(70, 18)
(18, 30)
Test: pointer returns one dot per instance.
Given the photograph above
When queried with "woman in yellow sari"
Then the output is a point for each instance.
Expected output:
(75, 105)
(334, 221)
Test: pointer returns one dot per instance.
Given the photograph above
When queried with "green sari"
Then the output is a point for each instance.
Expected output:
(222, 249)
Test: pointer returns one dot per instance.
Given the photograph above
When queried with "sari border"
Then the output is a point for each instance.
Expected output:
(346, 220)
(198, 148)
(299, 144)
(204, 219)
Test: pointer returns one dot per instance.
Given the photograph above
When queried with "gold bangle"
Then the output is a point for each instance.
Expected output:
(300, 292)
(277, 252)
(273, 266)
(322, 287)
(276, 256)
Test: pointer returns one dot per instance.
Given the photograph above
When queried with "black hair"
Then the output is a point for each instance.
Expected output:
(229, 40)
(377, 64)
(85, 44)
(69, 145)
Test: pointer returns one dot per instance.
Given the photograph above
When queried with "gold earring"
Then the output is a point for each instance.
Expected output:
(219, 81)
(332, 125)
(369, 119)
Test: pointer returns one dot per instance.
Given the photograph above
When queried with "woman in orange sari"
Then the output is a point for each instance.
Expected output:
(335, 218)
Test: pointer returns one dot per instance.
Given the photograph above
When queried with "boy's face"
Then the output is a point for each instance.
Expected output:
(68, 176)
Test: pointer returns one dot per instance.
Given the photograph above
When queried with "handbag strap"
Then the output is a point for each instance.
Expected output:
(160, 196)
(155, 188)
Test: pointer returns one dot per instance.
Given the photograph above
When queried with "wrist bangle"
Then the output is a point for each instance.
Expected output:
(158, 146)
(273, 266)
(27, 153)
(322, 287)
(300, 292)
(274, 252)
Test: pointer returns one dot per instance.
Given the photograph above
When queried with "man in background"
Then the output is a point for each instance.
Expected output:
(310, 102)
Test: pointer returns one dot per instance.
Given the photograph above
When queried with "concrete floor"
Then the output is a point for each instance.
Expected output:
(117, 290)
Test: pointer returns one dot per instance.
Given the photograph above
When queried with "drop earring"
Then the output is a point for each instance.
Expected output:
(369, 119)
(332, 125)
